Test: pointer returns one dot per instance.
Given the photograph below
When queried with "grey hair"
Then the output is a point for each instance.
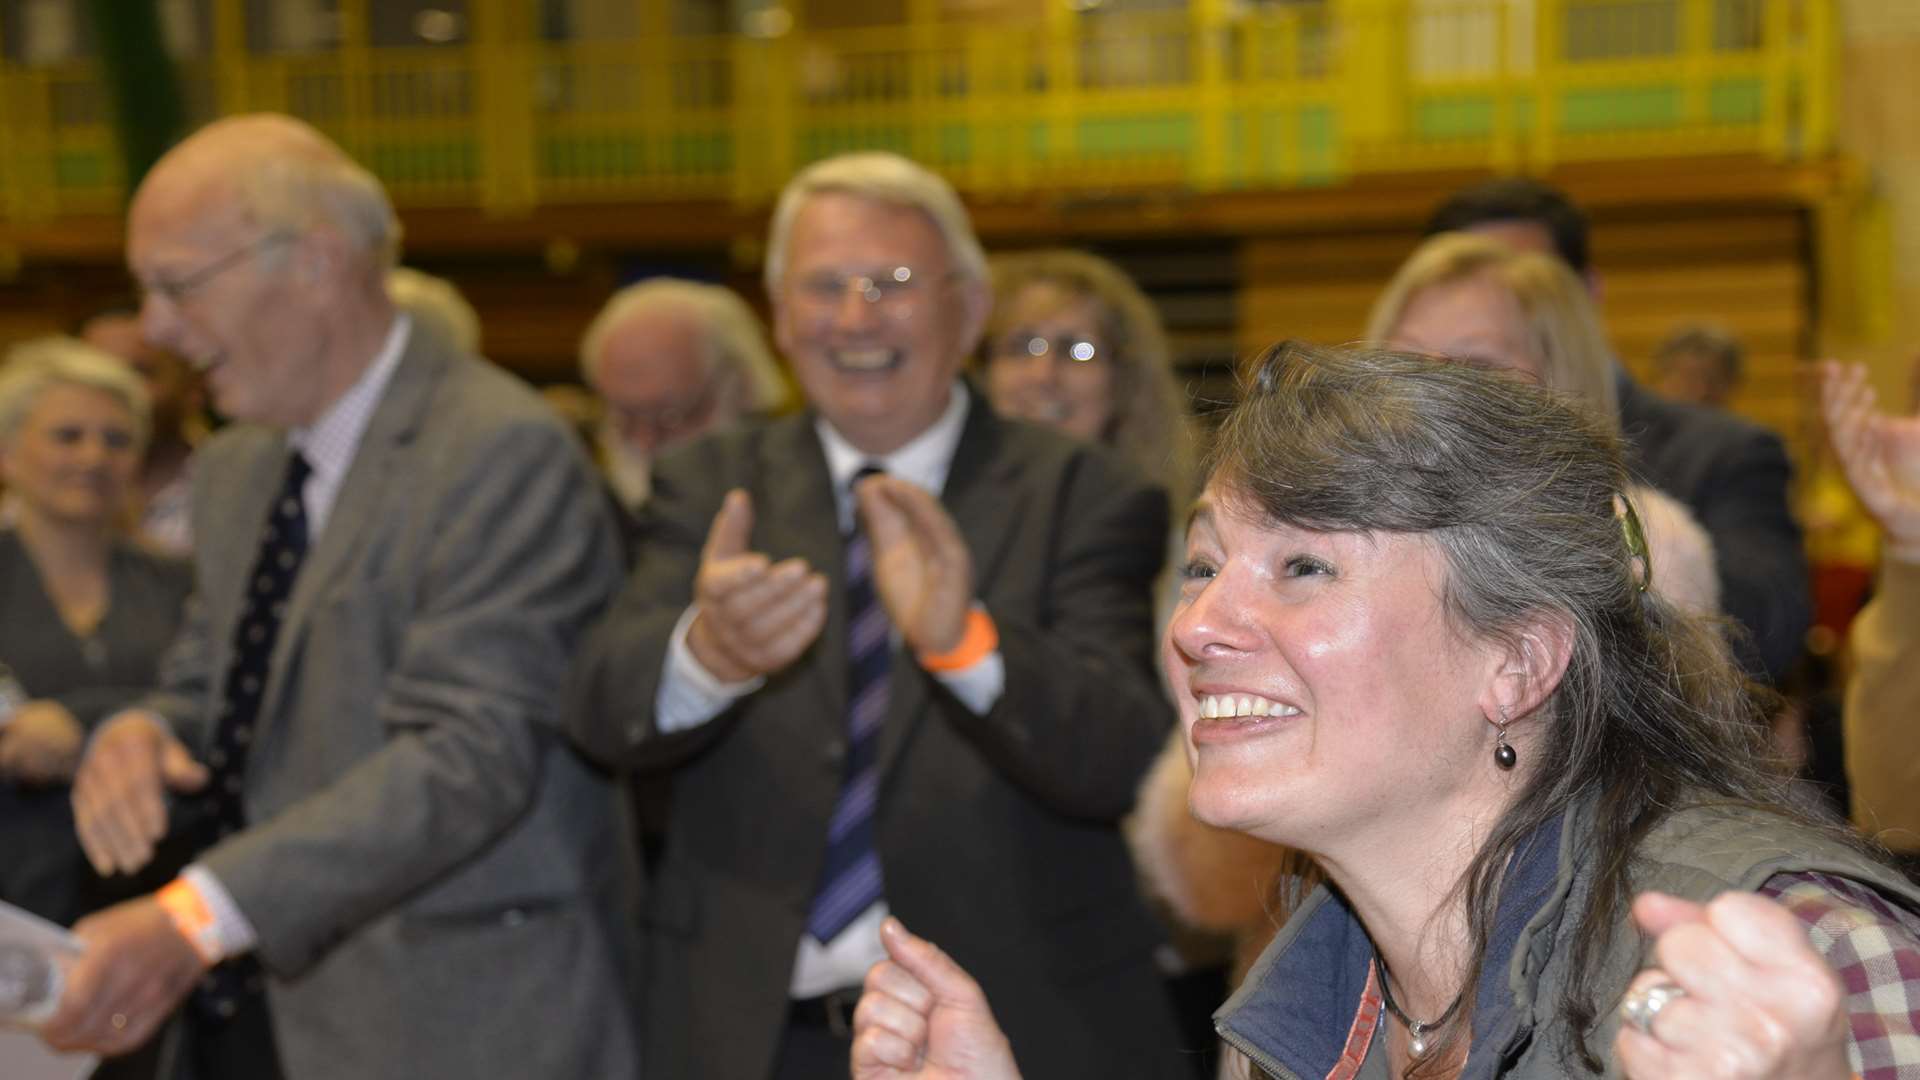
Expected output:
(30, 368)
(1515, 485)
(882, 177)
(736, 341)
(1716, 343)
(438, 303)
(295, 192)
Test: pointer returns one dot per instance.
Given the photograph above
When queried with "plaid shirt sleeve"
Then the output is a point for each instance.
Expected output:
(1874, 946)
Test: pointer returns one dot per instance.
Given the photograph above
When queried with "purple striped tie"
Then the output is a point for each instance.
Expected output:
(850, 880)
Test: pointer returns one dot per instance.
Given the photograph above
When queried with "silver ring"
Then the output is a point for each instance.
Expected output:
(1642, 1006)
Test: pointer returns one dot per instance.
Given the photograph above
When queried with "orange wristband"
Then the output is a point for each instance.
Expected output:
(977, 642)
(191, 916)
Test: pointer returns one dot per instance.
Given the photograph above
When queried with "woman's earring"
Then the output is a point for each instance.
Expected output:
(1503, 754)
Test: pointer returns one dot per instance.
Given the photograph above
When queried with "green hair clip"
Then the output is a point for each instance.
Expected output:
(1636, 537)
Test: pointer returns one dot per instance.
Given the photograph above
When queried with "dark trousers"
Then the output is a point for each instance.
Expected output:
(818, 1042)
(237, 1048)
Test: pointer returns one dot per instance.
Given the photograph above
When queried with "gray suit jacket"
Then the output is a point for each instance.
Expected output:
(999, 834)
(440, 886)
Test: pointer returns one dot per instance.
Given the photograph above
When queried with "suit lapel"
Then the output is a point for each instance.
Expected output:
(984, 497)
(796, 515)
(395, 420)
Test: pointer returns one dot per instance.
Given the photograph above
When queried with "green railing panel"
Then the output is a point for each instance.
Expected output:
(1622, 108)
(1737, 101)
(1136, 136)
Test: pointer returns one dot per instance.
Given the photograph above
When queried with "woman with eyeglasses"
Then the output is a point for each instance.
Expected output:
(1539, 831)
(84, 613)
(1073, 343)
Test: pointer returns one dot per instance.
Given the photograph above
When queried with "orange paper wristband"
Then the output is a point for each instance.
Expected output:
(977, 642)
(191, 916)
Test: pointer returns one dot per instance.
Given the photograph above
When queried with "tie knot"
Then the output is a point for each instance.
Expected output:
(871, 468)
(297, 471)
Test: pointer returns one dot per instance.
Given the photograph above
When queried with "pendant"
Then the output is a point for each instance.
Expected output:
(1417, 1039)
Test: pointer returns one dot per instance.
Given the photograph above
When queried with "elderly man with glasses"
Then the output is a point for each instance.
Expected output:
(896, 655)
(401, 869)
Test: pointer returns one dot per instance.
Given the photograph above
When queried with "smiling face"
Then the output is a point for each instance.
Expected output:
(74, 458)
(1474, 319)
(1324, 694)
(872, 318)
(1051, 364)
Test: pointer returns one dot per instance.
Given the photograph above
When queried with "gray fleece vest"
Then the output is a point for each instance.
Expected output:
(1696, 853)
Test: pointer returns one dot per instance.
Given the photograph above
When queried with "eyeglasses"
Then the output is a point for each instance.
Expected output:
(1022, 345)
(175, 290)
(895, 292)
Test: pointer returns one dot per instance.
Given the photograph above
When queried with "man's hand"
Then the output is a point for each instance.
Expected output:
(119, 793)
(1880, 454)
(41, 744)
(1758, 1001)
(922, 1017)
(134, 967)
(754, 618)
(921, 567)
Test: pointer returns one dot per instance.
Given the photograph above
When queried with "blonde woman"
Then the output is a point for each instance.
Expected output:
(84, 613)
(1073, 343)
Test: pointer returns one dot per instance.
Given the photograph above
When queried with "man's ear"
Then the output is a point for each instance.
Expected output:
(319, 255)
(1535, 660)
(976, 298)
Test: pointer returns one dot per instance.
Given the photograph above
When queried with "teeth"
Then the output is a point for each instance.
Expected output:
(1230, 706)
(865, 359)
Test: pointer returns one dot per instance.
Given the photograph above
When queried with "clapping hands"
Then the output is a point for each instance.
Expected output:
(1879, 453)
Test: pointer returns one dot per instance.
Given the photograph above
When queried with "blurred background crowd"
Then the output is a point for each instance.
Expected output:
(1668, 209)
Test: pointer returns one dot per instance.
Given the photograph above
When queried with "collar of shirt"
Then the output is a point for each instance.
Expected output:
(924, 460)
(329, 445)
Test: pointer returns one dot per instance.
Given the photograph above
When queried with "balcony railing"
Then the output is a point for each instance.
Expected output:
(1217, 96)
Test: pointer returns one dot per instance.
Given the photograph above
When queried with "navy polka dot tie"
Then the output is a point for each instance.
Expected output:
(283, 546)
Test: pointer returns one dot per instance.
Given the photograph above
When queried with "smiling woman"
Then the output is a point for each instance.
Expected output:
(1537, 832)
(83, 613)
(1073, 343)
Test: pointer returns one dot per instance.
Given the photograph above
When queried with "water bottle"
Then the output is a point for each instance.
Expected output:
(30, 985)
(12, 694)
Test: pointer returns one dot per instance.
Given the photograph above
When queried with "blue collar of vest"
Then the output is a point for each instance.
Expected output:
(1297, 1005)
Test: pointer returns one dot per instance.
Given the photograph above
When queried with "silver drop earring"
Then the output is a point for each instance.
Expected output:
(1503, 754)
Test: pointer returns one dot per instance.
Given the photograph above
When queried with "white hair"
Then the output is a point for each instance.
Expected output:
(297, 191)
(734, 338)
(882, 177)
(436, 303)
(32, 367)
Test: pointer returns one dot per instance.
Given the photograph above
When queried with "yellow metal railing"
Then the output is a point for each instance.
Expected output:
(1216, 96)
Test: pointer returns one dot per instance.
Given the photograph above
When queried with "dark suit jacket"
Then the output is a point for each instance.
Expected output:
(998, 835)
(41, 866)
(437, 881)
(1733, 475)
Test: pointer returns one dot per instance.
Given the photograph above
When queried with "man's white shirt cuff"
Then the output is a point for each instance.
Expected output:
(689, 694)
(233, 934)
